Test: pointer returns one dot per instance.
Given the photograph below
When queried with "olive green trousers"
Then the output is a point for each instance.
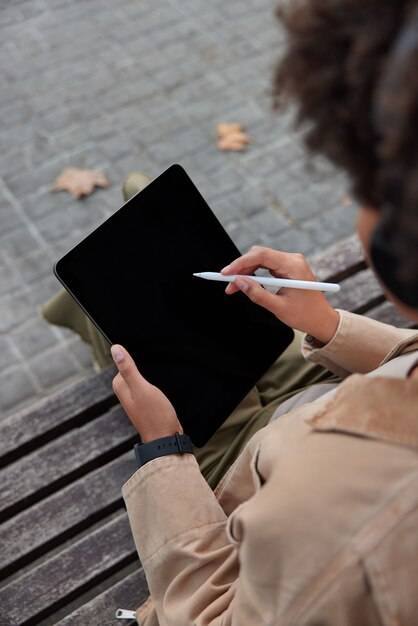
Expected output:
(289, 375)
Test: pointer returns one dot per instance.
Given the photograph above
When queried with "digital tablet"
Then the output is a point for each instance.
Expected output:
(133, 277)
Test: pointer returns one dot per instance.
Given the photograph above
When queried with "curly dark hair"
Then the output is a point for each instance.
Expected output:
(356, 94)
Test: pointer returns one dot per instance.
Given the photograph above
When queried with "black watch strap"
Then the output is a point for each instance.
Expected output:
(175, 444)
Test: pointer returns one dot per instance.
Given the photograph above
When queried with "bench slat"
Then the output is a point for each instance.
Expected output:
(30, 428)
(338, 261)
(51, 585)
(129, 594)
(387, 314)
(51, 467)
(63, 514)
(359, 293)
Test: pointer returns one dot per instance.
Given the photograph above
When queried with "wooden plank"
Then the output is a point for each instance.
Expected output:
(339, 260)
(60, 462)
(24, 431)
(50, 586)
(63, 514)
(388, 314)
(359, 293)
(129, 594)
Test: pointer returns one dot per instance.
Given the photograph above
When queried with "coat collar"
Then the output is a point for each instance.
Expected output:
(383, 405)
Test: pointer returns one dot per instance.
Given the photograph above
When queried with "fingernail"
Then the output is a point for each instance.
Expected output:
(241, 284)
(117, 354)
(225, 269)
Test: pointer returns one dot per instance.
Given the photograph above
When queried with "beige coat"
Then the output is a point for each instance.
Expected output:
(317, 521)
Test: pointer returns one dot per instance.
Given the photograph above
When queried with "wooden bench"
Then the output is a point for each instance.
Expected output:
(67, 556)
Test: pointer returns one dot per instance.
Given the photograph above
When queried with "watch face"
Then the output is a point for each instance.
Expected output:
(133, 276)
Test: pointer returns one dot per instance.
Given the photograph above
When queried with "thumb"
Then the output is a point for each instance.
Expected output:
(257, 294)
(126, 366)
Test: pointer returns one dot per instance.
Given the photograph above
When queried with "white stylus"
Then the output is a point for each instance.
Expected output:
(273, 282)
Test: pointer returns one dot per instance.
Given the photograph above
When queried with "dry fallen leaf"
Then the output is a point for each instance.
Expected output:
(234, 142)
(224, 129)
(80, 182)
(232, 137)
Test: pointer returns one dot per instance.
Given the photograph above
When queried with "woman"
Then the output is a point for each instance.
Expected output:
(316, 522)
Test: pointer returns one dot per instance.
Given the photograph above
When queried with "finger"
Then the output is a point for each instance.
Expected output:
(257, 294)
(119, 386)
(122, 392)
(239, 266)
(231, 288)
(282, 263)
(126, 366)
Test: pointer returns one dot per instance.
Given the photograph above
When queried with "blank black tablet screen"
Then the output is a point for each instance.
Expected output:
(133, 276)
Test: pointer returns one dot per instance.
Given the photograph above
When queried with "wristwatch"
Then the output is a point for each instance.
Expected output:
(175, 444)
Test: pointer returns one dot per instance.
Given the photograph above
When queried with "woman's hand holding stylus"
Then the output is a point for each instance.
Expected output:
(308, 311)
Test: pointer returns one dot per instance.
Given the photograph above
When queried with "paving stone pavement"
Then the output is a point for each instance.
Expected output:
(128, 85)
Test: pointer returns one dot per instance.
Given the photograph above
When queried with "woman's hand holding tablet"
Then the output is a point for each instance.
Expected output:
(149, 410)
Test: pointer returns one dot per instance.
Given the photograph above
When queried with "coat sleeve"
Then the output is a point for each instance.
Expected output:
(360, 345)
(180, 532)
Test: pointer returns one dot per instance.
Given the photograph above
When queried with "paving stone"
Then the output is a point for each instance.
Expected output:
(68, 115)
(332, 191)
(9, 218)
(283, 187)
(10, 279)
(302, 206)
(53, 367)
(230, 180)
(18, 243)
(324, 228)
(145, 133)
(82, 353)
(89, 156)
(35, 266)
(291, 240)
(17, 135)
(8, 356)
(12, 160)
(55, 227)
(14, 310)
(16, 387)
(250, 201)
(268, 222)
(259, 167)
(244, 237)
(257, 230)
(238, 204)
(28, 182)
(33, 337)
(320, 170)
(44, 289)
(226, 209)
(80, 217)
(42, 202)
(116, 147)
(175, 146)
